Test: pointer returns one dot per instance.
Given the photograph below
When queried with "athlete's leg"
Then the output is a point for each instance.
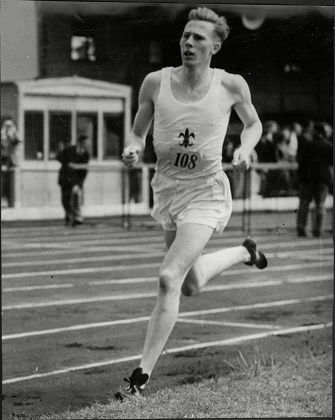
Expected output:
(185, 249)
(209, 266)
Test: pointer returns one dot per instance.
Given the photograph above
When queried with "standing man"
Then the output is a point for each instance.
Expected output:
(314, 174)
(9, 145)
(72, 174)
(191, 106)
(266, 153)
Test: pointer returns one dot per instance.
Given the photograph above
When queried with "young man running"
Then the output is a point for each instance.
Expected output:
(191, 106)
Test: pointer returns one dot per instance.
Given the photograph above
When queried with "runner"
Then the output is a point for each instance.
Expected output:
(191, 106)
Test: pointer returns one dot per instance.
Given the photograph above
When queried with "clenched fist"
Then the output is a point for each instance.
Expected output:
(241, 159)
(130, 156)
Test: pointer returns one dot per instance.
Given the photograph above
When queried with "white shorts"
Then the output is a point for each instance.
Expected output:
(205, 201)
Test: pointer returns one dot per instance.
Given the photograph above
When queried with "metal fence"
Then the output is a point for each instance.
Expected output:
(265, 186)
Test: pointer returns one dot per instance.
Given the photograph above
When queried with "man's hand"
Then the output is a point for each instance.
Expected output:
(130, 156)
(241, 159)
(76, 189)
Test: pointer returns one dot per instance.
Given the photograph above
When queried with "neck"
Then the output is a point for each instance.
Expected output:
(195, 76)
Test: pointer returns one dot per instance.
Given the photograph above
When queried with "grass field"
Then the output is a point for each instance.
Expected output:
(260, 385)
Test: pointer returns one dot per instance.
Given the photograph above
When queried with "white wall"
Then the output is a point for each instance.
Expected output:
(19, 40)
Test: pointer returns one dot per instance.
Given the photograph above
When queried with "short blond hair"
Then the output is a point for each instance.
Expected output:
(221, 27)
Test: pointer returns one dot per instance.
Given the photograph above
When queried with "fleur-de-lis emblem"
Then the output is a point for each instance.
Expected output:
(186, 136)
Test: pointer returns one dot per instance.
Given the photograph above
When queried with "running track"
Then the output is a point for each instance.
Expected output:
(76, 302)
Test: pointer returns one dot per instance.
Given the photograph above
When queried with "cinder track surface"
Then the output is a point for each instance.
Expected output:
(76, 303)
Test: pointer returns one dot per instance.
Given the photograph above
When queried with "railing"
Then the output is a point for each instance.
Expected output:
(265, 186)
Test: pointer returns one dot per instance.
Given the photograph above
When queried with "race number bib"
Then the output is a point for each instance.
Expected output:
(184, 153)
(185, 160)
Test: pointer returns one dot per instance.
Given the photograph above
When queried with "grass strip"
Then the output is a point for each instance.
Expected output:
(257, 386)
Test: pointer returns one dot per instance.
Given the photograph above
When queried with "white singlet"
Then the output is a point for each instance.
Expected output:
(188, 137)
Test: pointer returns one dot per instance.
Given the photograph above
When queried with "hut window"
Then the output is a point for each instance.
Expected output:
(33, 135)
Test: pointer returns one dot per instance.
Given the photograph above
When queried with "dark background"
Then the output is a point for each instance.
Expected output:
(288, 61)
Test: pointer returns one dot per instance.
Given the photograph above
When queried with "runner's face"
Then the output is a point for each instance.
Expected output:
(198, 42)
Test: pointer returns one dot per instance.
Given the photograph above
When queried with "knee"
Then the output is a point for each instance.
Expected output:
(168, 283)
(189, 289)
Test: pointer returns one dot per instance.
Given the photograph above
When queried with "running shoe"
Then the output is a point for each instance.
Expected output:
(257, 257)
(137, 382)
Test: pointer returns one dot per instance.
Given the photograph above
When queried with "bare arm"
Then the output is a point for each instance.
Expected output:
(135, 141)
(252, 127)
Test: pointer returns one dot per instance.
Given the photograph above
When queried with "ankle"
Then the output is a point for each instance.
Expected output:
(245, 254)
(139, 378)
(145, 372)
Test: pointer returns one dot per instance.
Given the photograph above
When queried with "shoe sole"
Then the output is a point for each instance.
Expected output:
(119, 396)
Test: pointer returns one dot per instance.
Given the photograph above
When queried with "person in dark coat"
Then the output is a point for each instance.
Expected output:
(72, 174)
(314, 174)
(266, 153)
(9, 159)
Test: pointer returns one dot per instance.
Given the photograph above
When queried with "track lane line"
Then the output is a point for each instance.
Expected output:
(86, 250)
(226, 342)
(144, 254)
(138, 280)
(128, 267)
(217, 242)
(242, 271)
(229, 324)
(38, 287)
(18, 239)
(259, 305)
(78, 271)
(79, 234)
(127, 296)
(181, 314)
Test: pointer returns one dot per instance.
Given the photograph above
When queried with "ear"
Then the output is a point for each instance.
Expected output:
(216, 47)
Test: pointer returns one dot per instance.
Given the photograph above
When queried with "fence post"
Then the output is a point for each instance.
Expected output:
(12, 186)
(246, 213)
(249, 180)
(125, 199)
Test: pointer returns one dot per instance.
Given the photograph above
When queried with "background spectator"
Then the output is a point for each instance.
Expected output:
(314, 176)
(328, 129)
(296, 133)
(266, 153)
(329, 136)
(72, 174)
(285, 153)
(9, 143)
